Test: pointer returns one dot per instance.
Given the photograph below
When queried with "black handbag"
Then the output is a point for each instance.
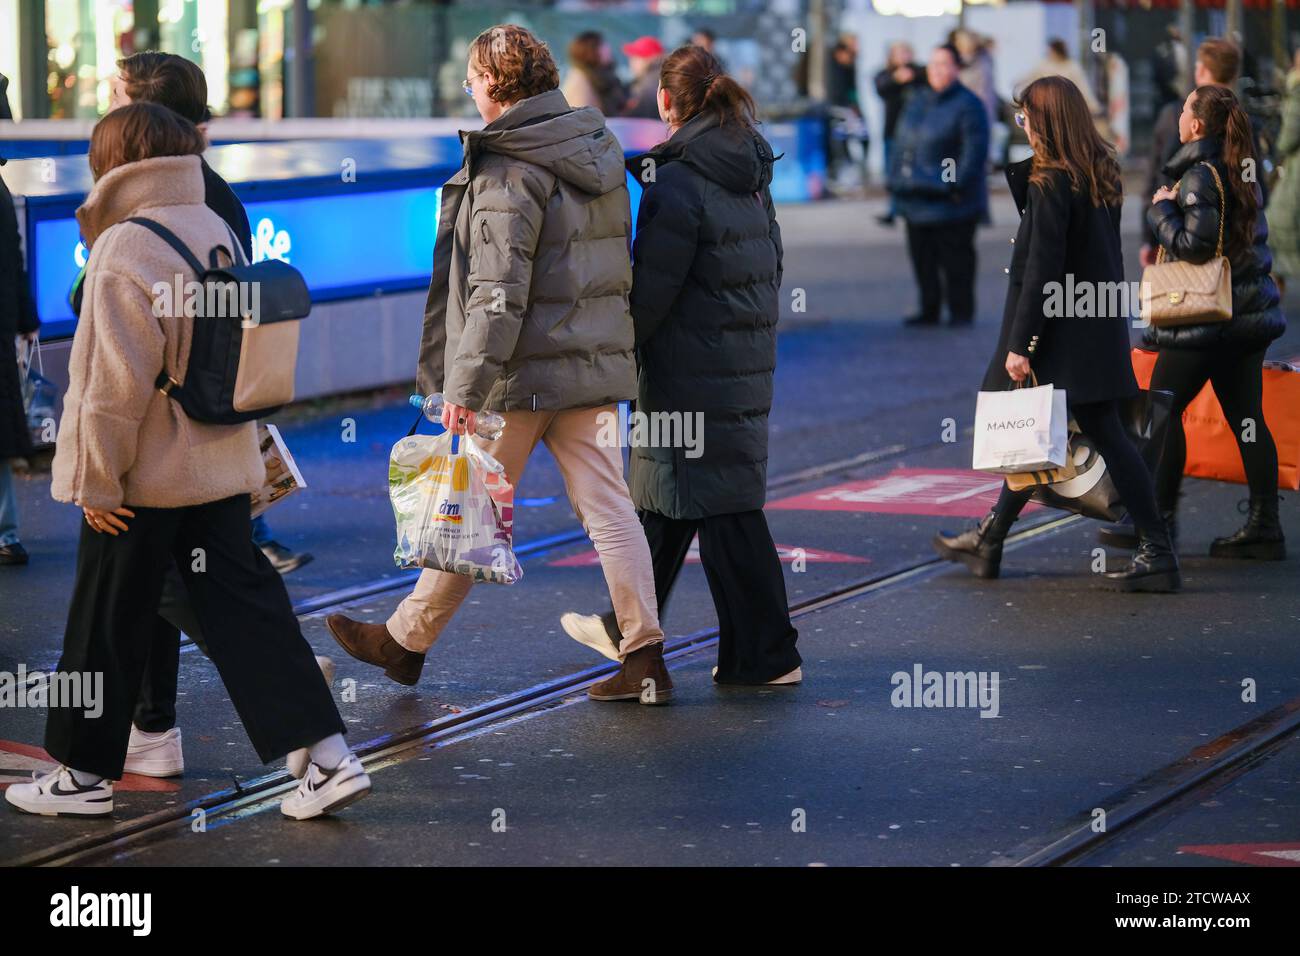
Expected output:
(241, 366)
(1091, 492)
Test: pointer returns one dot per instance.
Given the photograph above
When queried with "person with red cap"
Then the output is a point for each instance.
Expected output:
(644, 55)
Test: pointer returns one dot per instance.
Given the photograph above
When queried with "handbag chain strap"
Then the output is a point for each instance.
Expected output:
(1218, 249)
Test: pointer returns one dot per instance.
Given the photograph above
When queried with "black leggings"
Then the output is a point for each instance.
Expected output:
(1239, 385)
(1101, 422)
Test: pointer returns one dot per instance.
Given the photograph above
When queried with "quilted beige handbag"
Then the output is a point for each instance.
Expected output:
(1184, 293)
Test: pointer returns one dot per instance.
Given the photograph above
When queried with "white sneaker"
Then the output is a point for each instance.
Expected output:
(794, 677)
(297, 761)
(155, 756)
(57, 793)
(324, 791)
(589, 629)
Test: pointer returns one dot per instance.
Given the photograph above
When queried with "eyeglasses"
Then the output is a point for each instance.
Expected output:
(465, 84)
(1020, 119)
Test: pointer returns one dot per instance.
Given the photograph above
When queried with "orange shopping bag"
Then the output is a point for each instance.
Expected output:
(1212, 447)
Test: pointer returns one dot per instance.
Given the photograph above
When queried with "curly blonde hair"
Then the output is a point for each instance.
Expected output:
(520, 62)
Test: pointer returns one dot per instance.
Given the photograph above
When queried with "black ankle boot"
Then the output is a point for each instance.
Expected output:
(1154, 566)
(980, 548)
(1123, 535)
(1260, 540)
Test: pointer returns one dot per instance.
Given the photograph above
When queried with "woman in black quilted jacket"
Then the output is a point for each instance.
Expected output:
(1216, 134)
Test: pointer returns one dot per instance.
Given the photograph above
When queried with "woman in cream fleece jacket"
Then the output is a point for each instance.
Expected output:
(120, 439)
(157, 487)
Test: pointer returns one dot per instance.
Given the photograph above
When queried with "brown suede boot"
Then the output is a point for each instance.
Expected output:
(643, 677)
(372, 644)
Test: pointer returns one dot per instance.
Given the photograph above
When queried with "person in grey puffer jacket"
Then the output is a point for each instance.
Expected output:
(528, 316)
(705, 286)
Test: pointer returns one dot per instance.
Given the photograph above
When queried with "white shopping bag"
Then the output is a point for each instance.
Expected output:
(1023, 429)
(454, 508)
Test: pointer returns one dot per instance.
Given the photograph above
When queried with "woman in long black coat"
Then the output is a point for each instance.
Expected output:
(17, 317)
(1065, 320)
(705, 284)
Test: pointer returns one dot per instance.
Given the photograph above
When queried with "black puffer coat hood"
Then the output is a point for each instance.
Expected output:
(1189, 230)
(706, 276)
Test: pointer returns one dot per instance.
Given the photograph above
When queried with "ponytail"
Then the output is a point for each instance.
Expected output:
(1223, 118)
(697, 84)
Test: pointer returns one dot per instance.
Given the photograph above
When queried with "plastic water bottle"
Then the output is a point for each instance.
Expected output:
(488, 425)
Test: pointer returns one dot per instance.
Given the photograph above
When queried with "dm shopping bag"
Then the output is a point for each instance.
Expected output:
(1211, 445)
(1021, 429)
(454, 508)
(1089, 491)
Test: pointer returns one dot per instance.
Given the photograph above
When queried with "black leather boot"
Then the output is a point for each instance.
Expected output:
(980, 548)
(1260, 540)
(1154, 567)
(1123, 535)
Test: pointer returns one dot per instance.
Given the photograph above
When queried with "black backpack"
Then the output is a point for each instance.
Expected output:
(243, 357)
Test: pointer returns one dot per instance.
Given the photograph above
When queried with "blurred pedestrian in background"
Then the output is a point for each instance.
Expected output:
(901, 77)
(976, 69)
(644, 56)
(1072, 195)
(17, 318)
(938, 180)
(707, 40)
(592, 80)
(706, 280)
(1169, 68)
(528, 316)
(157, 488)
(1216, 137)
(847, 135)
(1218, 63)
(1284, 203)
(1058, 62)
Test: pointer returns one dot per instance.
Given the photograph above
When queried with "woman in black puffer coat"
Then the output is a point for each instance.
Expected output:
(1216, 132)
(705, 283)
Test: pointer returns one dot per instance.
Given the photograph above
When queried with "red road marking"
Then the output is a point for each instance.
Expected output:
(1252, 854)
(785, 552)
(912, 491)
(17, 761)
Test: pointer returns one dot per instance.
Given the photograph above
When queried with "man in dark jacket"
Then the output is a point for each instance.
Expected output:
(17, 317)
(938, 179)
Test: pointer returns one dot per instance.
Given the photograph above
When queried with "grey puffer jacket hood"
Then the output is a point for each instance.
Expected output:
(528, 303)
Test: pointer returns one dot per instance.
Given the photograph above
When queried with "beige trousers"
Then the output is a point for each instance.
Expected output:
(593, 477)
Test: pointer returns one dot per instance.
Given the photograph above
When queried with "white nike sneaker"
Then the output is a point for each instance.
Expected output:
(324, 791)
(155, 756)
(57, 793)
(297, 761)
(589, 629)
(794, 677)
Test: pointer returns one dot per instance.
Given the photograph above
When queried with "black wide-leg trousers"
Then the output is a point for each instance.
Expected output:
(242, 606)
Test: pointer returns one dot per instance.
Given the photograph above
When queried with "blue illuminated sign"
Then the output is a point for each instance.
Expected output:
(346, 245)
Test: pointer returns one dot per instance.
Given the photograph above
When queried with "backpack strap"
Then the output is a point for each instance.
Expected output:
(169, 237)
(164, 382)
